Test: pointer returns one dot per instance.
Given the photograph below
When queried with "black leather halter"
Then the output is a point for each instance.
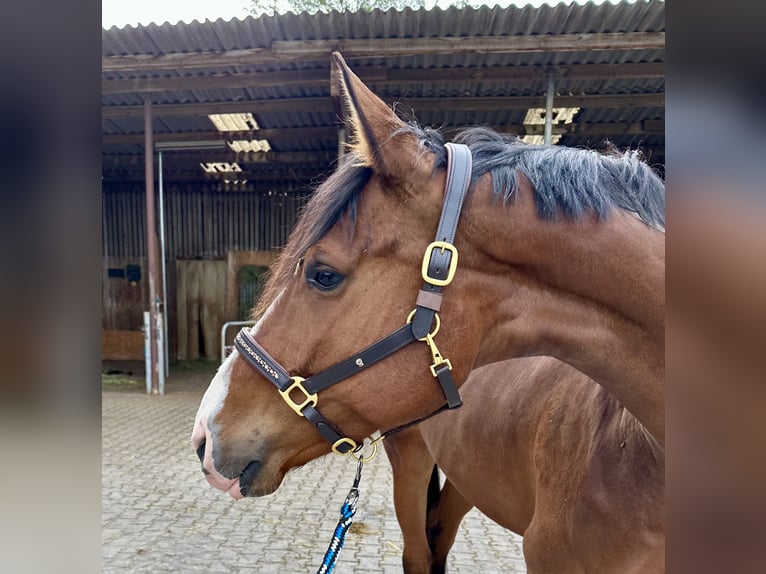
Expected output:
(438, 269)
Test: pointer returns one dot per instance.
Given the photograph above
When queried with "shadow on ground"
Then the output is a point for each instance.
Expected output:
(129, 376)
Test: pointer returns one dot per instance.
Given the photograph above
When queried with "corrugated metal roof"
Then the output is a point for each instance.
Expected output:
(485, 21)
(251, 32)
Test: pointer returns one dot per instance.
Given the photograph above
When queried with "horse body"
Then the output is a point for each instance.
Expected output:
(584, 485)
(552, 262)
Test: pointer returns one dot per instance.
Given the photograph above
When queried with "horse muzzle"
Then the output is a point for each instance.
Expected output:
(236, 478)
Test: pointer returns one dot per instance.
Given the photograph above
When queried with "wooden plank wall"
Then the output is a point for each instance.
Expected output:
(200, 223)
(200, 300)
(123, 311)
(123, 224)
(123, 303)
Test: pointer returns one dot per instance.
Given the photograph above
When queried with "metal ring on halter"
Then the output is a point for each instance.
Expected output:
(360, 449)
(432, 333)
(371, 441)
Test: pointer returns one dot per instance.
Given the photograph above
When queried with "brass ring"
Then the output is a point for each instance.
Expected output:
(362, 458)
(436, 329)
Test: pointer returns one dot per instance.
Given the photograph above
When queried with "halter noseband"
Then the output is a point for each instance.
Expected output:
(438, 269)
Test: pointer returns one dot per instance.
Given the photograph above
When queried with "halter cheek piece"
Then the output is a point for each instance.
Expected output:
(438, 269)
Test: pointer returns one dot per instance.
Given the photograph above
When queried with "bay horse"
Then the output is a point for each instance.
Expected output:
(543, 451)
(561, 253)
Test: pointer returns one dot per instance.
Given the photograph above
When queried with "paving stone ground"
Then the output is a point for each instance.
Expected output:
(159, 515)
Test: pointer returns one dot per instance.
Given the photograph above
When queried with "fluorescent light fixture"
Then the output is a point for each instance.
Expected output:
(536, 116)
(234, 122)
(249, 146)
(229, 171)
(220, 167)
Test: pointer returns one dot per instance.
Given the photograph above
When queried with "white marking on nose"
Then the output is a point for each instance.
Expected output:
(211, 403)
(216, 393)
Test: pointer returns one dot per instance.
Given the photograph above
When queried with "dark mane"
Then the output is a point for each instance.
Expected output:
(566, 181)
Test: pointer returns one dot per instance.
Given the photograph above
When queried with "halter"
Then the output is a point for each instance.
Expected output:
(438, 269)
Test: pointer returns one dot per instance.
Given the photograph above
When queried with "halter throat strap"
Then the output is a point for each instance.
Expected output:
(438, 269)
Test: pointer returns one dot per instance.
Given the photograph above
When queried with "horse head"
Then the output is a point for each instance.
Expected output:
(561, 253)
(349, 275)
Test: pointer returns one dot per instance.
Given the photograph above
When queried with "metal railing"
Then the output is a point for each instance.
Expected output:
(227, 349)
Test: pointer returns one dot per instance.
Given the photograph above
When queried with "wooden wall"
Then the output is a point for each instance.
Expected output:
(209, 235)
(200, 299)
(200, 223)
(202, 296)
(207, 294)
(123, 303)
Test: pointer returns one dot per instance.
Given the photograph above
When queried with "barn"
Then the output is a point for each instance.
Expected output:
(215, 133)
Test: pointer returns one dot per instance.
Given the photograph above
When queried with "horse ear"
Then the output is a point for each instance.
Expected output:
(377, 135)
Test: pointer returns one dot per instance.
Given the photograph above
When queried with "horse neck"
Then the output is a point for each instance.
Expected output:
(588, 292)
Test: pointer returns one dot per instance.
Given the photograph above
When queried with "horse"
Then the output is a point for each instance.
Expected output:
(543, 451)
(542, 250)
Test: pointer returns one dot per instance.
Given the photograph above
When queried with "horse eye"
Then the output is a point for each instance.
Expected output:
(325, 279)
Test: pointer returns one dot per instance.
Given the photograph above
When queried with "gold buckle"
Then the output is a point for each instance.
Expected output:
(310, 398)
(444, 246)
(342, 441)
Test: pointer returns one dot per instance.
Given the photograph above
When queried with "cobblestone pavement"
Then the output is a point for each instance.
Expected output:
(159, 515)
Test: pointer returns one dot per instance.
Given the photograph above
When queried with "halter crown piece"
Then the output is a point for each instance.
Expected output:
(438, 269)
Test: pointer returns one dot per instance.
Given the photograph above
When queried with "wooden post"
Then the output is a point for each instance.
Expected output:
(151, 242)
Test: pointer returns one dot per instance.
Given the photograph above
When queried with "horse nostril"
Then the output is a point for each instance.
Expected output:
(247, 476)
(201, 451)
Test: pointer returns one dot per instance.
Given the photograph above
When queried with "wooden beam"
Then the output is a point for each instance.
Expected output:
(304, 176)
(641, 70)
(319, 50)
(174, 159)
(330, 132)
(318, 104)
(379, 47)
(272, 135)
(212, 81)
(324, 104)
(523, 102)
(380, 75)
(369, 74)
(646, 127)
(151, 250)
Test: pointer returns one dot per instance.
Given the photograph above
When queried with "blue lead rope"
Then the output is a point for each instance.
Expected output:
(347, 511)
